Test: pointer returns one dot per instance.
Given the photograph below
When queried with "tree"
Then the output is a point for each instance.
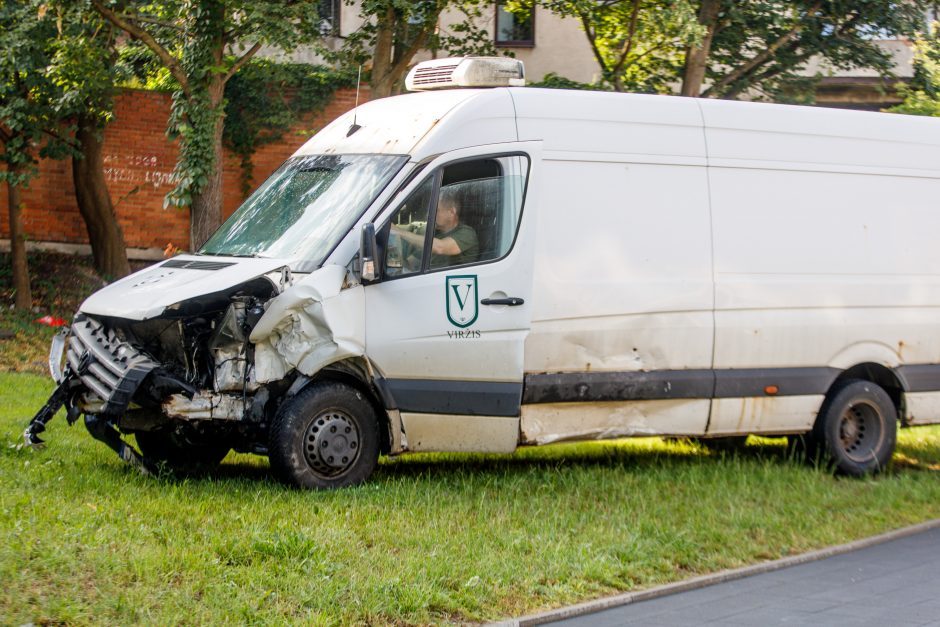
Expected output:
(394, 31)
(761, 46)
(726, 48)
(922, 96)
(638, 44)
(265, 99)
(195, 41)
(28, 119)
(696, 55)
(83, 68)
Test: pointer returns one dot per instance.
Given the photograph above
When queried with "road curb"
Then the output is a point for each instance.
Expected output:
(695, 583)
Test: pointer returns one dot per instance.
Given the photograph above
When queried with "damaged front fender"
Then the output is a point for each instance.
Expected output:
(310, 325)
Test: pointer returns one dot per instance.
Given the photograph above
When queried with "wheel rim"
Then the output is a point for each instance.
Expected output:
(331, 443)
(861, 431)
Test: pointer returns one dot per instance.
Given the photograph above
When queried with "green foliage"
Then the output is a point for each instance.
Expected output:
(414, 19)
(922, 96)
(264, 100)
(30, 123)
(82, 64)
(556, 81)
(763, 45)
(638, 44)
(201, 44)
(393, 31)
(759, 47)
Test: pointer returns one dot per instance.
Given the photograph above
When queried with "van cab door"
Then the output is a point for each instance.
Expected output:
(447, 321)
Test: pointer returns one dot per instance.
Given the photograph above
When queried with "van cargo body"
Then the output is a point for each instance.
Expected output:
(479, 269)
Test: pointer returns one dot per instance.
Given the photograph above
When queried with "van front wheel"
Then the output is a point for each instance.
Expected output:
(857, 427)
(327, 436)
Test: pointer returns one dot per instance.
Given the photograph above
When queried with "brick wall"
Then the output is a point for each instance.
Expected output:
(139, 162)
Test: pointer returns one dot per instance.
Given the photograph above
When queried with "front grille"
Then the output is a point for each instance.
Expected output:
(110, 368)
(196, 264)
(434, 75)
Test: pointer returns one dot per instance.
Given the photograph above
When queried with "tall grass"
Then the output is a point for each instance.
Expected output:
(432, 538)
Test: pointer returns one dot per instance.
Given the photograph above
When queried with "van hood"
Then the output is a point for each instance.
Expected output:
(148, 293)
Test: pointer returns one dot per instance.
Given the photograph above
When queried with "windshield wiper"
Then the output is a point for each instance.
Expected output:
(218, 254)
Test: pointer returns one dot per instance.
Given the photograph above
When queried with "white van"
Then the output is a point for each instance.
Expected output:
(603, 265)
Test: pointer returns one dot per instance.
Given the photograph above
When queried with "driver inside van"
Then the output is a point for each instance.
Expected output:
(454, 243)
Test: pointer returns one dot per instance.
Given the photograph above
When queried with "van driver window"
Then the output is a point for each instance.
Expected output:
(475, 213)
(404, 252)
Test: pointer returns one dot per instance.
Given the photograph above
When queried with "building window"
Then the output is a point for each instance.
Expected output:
(329, 16)
(513, 29)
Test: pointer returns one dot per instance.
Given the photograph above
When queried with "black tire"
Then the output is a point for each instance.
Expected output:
(327, 436)
(181, 452)
(857, 428)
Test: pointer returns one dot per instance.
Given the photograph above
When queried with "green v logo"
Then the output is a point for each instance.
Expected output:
(461, 300)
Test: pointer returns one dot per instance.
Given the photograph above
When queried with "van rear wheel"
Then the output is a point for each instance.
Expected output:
(857, 428)
(327, 436)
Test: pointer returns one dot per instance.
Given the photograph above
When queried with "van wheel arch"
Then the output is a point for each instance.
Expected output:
(352, 372)
(856, 429)
(809, 446)
(880, 375)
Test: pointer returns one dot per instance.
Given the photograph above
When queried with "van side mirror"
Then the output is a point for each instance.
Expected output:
(367, 248)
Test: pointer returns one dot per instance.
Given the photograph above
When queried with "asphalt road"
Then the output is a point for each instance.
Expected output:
(894, 584)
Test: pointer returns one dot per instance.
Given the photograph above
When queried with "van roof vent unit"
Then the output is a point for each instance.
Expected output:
(466, 72)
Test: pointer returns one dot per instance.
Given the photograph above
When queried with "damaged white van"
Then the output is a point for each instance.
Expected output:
(481, 269)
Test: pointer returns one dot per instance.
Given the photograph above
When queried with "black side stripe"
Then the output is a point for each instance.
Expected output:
(740, 383)
(617, 386)
(675, 384)
(471, 398)
(484, 398)
(919, 377)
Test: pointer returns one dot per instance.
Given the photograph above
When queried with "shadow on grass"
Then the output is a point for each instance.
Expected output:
(623, 456)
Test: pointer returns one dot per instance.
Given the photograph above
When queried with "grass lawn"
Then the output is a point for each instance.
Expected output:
(432, 538)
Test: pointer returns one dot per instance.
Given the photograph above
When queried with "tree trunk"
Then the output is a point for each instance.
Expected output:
(696, 57)
(94, 203)
(381, 87)
(381, 83)
(24, 296)
(205, 214)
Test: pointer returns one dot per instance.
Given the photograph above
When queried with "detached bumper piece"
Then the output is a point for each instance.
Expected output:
(107, 372)
(60, 396)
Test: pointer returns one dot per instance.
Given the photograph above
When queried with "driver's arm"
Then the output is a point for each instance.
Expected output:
(415, 239)
(445, 246)
(439, 246)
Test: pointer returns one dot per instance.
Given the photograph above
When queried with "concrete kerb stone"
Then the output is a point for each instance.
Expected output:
(597, 605)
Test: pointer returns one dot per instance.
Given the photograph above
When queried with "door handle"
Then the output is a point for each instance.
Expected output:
(512, 301)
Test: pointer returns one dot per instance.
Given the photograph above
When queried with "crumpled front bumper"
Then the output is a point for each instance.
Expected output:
(97, 374)
(110, 369)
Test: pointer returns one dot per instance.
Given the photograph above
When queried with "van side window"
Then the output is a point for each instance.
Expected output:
(475, 208)
(405, 254)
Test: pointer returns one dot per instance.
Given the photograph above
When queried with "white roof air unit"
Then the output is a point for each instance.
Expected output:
(466, 72)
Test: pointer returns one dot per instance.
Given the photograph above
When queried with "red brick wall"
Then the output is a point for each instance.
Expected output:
(139, 161)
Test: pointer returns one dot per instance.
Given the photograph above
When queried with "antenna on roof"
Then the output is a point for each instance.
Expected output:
(355, 127)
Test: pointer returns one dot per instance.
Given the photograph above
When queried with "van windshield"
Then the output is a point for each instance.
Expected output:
(303, 210)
